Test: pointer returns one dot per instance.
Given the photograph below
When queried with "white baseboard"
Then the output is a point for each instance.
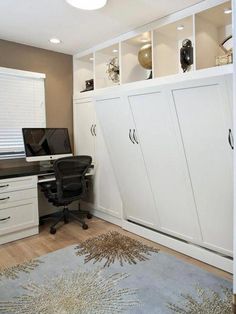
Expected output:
(194, 251)
(112, 219)
(19, 235)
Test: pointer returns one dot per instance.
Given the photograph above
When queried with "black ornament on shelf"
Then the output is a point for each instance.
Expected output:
(186, 55)
(89, 85)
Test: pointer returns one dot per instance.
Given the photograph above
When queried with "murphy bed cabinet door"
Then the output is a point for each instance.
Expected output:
(160, 140)
(84, 125)
(106, 192)
(117, 125)
(205, 118)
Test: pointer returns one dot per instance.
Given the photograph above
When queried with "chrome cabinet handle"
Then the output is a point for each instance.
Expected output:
(231, 139)
(4, 186)
(135, 137)
(91, 130)
(3, 199)
(94, 129)
(131, 137)
(4, 219)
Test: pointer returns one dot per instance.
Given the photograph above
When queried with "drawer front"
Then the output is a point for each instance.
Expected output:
(9, 197)
(17, 184)
(19, 216)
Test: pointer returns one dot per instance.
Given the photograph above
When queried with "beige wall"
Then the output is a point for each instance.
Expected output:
(58, 68)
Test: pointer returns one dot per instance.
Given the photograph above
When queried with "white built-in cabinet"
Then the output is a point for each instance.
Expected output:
(169, 147)
(160, 141)
(88, 140)
(127, 159)
(204, 113)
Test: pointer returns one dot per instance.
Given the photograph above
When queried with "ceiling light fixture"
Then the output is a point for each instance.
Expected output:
(144, 40)
(87, 4)
(114, 50)
(180, 27)
(227, 11)
(55, 41)
(91, 59)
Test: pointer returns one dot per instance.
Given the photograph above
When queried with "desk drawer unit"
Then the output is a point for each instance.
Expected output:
(18, 208)
(9, 197)
(18, 184)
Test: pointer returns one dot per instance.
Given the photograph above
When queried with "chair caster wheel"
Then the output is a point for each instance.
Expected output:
(53, 230)
(84, 226)
(89, 216)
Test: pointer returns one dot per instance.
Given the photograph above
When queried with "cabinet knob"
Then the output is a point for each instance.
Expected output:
(131, 137)
(4, 219)
(4, 186)
(231, 139)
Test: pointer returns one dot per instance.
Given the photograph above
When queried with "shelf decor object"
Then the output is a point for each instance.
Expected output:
(145, 58)
(89, 85)
(186, 55)
(113, 70)
(227, 46)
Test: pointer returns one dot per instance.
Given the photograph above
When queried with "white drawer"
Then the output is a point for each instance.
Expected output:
(15, 184)
(18, 216)
(9, 197)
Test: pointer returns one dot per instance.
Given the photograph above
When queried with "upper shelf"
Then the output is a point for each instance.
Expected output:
(156, 53)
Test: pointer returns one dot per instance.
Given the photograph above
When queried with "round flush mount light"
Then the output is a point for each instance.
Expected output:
(227, 11)
(87, 4)
(115, 50)
(180, 27)
(55, 41)
(144, 40)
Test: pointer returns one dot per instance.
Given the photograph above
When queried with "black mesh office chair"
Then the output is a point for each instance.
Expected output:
(70, 185)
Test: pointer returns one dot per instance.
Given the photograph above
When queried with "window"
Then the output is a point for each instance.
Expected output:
(22, 105)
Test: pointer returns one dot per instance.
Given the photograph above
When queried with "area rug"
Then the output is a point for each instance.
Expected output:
(111, 273)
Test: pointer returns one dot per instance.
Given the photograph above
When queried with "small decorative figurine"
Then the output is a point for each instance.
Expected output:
(186, 55)
(89, 85)
(113, 70)
(227, 47)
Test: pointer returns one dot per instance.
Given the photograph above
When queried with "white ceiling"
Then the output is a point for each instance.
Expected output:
(33, 22)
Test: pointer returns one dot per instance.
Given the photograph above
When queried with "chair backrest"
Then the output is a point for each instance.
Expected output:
(70, 177)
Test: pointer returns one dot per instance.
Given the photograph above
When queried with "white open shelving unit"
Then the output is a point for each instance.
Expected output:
(205, 24)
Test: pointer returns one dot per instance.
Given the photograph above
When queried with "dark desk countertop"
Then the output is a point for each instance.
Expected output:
(24, 171)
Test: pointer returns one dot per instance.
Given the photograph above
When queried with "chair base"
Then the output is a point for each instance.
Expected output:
(65, 216)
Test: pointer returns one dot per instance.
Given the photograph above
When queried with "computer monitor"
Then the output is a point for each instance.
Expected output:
(42, 144)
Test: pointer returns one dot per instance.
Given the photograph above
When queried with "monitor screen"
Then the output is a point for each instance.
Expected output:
(40, 142)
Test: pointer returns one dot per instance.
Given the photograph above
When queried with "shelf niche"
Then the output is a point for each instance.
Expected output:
(167, 42)
(102, 59)
(132, 71)
(84, 71)
(212, 27)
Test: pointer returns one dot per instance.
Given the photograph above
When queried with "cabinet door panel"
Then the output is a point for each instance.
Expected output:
(160, 140)
(116, 120)
(107, 195)
(84, 117)
(204, 118)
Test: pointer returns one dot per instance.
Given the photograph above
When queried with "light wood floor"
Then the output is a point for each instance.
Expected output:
(22, 250)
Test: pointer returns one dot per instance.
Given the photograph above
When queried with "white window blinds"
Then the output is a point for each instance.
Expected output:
(22, 105)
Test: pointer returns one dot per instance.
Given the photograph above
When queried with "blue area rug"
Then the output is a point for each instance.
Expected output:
(111, 273)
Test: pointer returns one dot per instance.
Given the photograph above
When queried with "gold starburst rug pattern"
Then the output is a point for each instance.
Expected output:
(113, 246)
(205, 302)
(13, 272)
(74, 293)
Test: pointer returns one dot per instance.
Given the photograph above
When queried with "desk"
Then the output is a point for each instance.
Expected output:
(19, 216)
